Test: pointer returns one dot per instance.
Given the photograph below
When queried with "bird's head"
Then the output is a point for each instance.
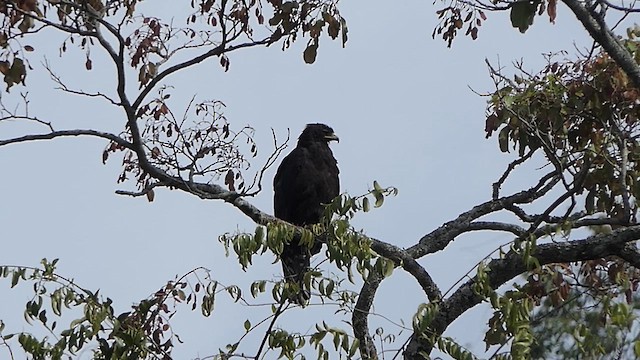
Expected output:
(317, 133)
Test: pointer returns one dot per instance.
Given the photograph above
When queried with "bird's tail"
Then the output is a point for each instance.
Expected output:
(296, 261)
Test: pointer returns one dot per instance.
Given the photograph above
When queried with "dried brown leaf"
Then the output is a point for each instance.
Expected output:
(151, 195)
(551, 11)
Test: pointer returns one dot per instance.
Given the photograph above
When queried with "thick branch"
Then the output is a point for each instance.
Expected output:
(439, 238)
(367, 294)
(409, 264)
(360, 317)
(496, 226)
(502, 270)
(630, 254)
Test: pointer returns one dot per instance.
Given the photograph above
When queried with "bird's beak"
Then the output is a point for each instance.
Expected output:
(333, 137)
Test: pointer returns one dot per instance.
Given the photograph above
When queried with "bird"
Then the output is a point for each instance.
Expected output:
(306, 179)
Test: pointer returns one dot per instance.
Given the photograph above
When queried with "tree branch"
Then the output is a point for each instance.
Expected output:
(217, 51)
(439, 238)
(435, 241)
(65, 88)
(360, 317)
(366, 296)
(502, 270)
(630, 254)
(496, 226)
(64, 133)
(498, 184)
(143, 192)
(618, 7)
(267, 333)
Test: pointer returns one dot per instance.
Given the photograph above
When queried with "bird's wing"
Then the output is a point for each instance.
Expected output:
(297, 189)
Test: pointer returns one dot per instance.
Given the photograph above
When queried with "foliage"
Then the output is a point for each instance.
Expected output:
(143, 332)
(183, 147)
(345, 246)
(205, 147)
(471, 14)
(150, 42)
(595, 320)
(584, 116)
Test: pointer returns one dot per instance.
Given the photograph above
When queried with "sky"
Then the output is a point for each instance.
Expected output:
(403, 104)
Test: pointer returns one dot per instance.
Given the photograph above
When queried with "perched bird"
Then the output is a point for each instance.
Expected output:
(306, 179)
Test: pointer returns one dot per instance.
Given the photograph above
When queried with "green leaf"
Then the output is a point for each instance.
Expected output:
(330, 287)
(247, 325)
(377, 186)
(345, 31)
(336, 341)
(43, 316)
(15, 278)
(522, 14)
(259, 235)
(345, 342)
(354, 347)
(379, 198)
(503, 139)
(389, 267)
(232, 347)
(318, 336)
(26, 24)
(365, 204)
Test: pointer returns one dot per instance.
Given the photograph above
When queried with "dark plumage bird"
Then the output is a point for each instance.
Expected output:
(306, 179)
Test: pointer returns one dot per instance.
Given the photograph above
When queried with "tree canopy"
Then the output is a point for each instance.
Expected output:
(569, 129)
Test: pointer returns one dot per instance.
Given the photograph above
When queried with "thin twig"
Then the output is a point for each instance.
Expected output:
(66, 133)
(267, 333)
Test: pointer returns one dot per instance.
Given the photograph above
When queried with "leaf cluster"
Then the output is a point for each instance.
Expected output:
(454, 17)
(583, 115)
(144, 332)
(287, 20)
(201, 148)
(594, 315)
(150, 42)
(470, 15)
(344, 244)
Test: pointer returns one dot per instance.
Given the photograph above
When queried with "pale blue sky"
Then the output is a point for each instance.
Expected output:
(399, 101)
